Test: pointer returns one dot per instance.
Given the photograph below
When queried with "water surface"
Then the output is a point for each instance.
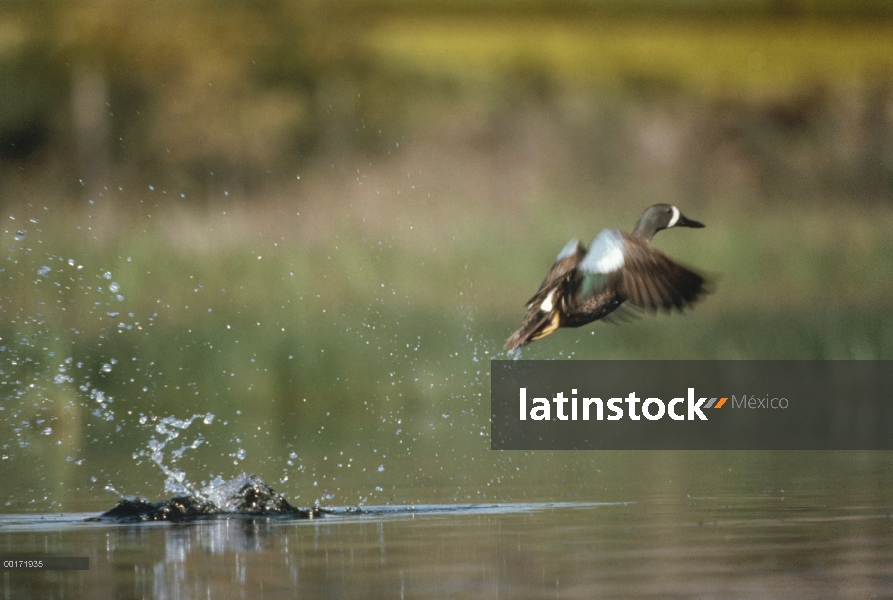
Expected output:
(765, 546)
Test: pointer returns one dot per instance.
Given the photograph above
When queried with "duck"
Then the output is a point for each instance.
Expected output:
(587, 285)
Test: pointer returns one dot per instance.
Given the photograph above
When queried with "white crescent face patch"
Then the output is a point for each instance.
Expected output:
(675, 218)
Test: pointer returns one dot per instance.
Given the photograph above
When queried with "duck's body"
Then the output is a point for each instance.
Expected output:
(585, 286)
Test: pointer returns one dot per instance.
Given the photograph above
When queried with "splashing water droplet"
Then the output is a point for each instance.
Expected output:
(20, 235)
(114, 287)
(381, 468)
(107, 275)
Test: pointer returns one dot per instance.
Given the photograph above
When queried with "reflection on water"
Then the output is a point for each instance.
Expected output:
(765, 547)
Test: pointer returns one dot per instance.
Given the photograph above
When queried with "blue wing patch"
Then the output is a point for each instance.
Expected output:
(605, 255)
(569, 249)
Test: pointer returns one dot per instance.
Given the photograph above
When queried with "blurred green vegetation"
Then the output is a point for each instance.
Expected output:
(322, 222)
(368, 346)
(206, 96)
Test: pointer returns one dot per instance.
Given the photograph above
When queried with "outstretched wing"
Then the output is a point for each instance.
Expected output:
(649, 279)
(542, 315)
(565, 264)
(603, 263)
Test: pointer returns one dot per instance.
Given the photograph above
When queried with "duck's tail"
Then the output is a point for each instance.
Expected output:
(537, 324)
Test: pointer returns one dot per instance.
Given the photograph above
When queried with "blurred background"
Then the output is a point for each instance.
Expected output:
(313, 224)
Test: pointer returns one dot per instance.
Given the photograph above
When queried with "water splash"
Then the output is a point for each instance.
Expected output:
(243, 495)
(169, 428)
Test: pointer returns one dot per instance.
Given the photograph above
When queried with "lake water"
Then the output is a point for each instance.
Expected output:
(355, 370)
(829, 535)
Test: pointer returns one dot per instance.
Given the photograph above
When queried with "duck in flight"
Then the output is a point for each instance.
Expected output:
(585, 286)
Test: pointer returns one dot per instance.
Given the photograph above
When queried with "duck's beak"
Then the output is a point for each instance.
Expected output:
(686, 222)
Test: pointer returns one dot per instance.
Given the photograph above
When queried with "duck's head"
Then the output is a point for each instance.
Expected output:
(661, 216)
